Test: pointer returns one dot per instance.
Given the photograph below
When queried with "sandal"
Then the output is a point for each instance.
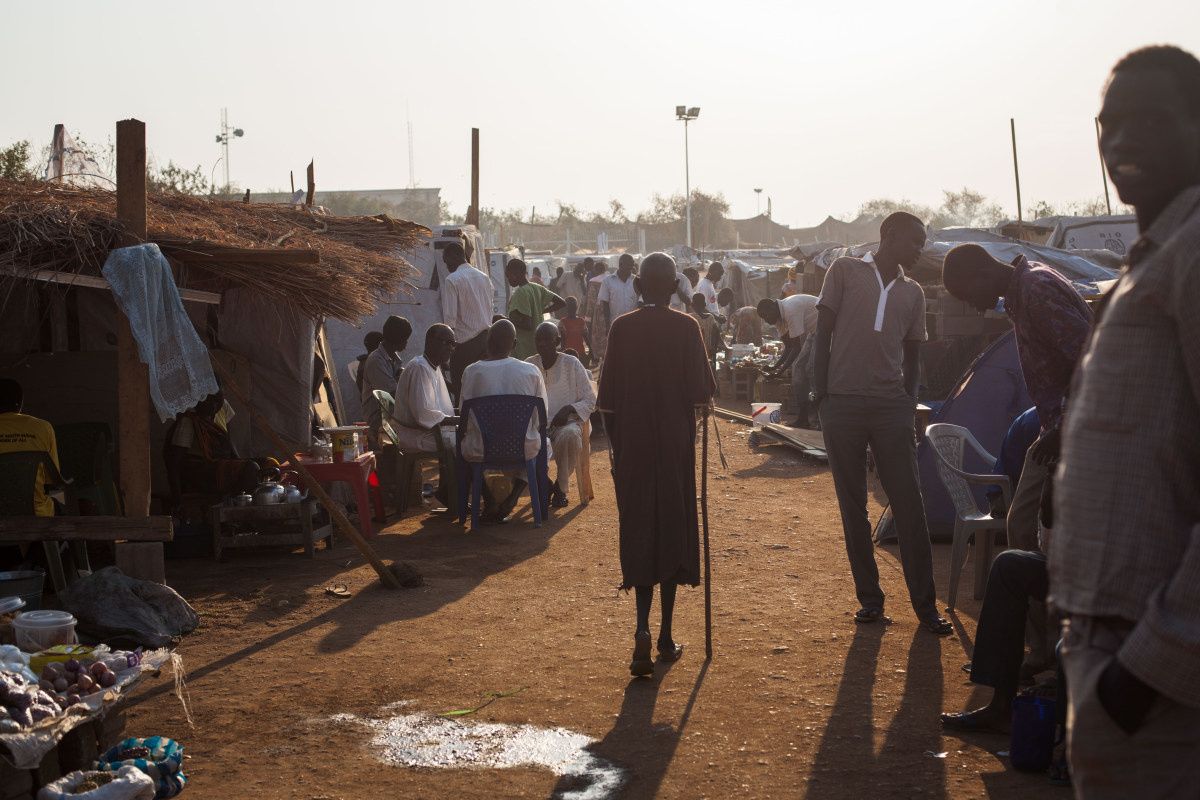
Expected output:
(865, 616)
(669, 651)
(338, 590)
(937, 625)
(641, 665)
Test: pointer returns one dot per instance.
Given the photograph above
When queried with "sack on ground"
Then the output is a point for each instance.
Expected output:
(112, 607)
(128, 783)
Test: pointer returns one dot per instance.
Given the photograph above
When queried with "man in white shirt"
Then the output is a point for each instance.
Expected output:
(571, 402)
(796, 319)
(617, 293)
(423, 408)
(380, 370)
(467, 304)
(707, 286)
(685, 290)
(500, 373)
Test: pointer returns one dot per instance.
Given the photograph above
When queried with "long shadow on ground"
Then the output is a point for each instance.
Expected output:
(453, 560)
(905, 764)
(638, 745)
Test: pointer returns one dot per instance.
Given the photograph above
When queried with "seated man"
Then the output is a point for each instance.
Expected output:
(423, 405)
(21, 432)
(1017, 576)
(500, 373)
(380, 371)
(571, 401)
(200, 456)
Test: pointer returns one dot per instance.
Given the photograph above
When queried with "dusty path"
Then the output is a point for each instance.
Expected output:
(799, 701)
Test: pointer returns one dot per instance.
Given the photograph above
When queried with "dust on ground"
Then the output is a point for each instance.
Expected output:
(798, 701)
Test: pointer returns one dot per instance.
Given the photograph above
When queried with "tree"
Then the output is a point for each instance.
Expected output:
(14, 161)
(970, 209)
(710, 223)
(174, 178)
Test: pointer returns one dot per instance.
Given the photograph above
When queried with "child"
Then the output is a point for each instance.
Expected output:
(574, 330)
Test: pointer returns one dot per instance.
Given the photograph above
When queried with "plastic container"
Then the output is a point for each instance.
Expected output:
(35, 631)
(763, 413)
(345, 442)
(25, 584)
(1031, 748)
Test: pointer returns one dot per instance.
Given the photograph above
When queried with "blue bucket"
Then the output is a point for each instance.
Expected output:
(1033, 724)
(25, 584)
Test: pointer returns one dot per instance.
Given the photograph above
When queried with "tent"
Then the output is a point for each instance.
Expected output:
(988, 397)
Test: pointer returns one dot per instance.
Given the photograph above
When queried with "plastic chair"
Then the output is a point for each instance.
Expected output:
(85, 454)
(971, 521)
(503, 421)
(18, 478)
(407, 476)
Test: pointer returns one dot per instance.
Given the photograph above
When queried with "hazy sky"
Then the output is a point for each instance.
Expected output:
(824, 105)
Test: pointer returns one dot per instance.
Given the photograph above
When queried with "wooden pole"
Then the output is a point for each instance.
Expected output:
(1103, 171)
(133, 385)
(312, 185)
(1012, 124)
(473, 212)
(345, 526)
(292, 178)
(708, 644)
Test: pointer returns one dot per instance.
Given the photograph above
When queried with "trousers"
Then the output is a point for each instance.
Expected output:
(1160, 760)
(851, 423)
(1017, 576)
(566, 443)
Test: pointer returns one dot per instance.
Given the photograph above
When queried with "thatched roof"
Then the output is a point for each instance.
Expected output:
(46, 226)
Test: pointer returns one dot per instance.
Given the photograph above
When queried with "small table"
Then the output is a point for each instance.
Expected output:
(356, 473)
(301, 512)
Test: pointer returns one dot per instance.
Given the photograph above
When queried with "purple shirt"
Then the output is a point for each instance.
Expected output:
(1052, 323)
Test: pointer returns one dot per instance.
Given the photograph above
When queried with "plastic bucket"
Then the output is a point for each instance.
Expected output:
(1033, 722)
(25, 584)
(35, 631)
(763, 413)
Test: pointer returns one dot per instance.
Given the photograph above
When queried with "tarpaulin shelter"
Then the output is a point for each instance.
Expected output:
(986, 400)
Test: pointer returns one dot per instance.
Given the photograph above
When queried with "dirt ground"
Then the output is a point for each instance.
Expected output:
(798, 701)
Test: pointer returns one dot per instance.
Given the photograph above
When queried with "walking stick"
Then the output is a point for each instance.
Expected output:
(708, 649)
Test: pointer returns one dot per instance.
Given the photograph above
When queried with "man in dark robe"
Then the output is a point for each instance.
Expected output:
(655, 377)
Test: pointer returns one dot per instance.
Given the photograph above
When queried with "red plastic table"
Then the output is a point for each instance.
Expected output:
(357, 473)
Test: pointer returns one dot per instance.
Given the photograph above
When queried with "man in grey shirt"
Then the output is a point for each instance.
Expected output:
(870, 325)
(1125, 556)
(381, 370)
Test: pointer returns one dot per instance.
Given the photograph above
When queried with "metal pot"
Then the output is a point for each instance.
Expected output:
(241, 500)
(270, 492)
(292, 494)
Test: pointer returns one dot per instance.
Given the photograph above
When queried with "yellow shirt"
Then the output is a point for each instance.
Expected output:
(23, 432)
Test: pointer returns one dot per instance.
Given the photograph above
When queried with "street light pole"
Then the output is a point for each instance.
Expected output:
(223, 140)
(687, 115)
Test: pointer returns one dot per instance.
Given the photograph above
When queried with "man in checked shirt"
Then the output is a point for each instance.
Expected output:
(1125, 556)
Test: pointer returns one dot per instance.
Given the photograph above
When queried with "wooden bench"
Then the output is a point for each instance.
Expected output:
(139, 549)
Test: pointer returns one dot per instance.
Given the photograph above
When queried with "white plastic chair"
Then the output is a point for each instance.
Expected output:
(947, 442)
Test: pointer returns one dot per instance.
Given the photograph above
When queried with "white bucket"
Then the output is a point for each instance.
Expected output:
(35, 631)
(763, 413)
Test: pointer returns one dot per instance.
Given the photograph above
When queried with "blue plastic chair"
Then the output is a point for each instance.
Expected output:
(503, 421)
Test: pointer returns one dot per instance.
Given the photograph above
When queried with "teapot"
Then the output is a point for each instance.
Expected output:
(270, 491)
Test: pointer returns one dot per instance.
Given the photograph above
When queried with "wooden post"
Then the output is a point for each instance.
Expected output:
(312, 185)
(1012, 123)
(473, 211)
(133, 388)
(1103, 170)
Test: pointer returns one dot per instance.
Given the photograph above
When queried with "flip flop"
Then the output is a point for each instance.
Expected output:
(338, 590)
